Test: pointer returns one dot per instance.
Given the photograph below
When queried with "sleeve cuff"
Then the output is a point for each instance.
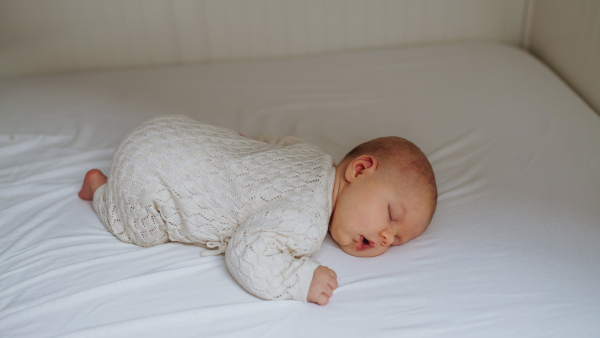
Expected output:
(305, 274)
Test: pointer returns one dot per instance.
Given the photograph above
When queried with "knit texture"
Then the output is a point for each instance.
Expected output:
(266, 205)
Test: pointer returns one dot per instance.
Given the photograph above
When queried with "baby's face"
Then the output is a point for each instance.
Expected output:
(373, 213)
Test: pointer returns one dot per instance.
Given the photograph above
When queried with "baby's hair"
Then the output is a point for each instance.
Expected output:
(397, 154)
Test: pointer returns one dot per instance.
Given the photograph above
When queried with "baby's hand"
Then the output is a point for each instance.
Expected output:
(323, 283)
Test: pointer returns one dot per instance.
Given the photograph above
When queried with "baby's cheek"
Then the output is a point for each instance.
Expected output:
(383, 249)
(340, 237)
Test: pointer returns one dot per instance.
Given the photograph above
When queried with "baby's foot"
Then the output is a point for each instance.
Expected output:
(92, 181)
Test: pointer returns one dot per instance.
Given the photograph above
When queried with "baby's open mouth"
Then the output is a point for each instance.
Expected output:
(364, 244)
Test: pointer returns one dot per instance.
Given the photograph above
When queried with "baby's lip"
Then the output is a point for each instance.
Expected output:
(360, 245)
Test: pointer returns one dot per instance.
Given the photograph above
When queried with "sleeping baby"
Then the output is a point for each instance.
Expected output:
(267, 203)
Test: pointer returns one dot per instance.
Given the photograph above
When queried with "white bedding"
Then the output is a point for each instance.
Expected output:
(513, 248)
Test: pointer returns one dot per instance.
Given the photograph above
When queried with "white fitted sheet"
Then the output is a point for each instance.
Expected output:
(512, 250)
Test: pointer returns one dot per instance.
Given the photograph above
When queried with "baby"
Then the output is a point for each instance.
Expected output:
(267, 205)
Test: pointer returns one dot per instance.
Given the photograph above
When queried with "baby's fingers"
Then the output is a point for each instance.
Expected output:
(328, 291)
(323, 299)
(332, 283)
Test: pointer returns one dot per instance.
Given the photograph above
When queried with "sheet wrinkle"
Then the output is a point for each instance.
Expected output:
(84, 295)
(463, 162)
(185, 316)
(20, 143)
(69, 270)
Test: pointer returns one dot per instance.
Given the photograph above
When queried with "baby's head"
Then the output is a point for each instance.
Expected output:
(384, 194)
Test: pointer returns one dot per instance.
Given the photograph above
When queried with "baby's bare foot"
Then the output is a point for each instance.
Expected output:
(92, 181)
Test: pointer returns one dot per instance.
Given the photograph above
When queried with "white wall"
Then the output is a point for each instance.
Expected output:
(566, 36)
(41, 36)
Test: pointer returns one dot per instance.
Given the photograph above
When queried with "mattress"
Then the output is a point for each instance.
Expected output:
(512, 249)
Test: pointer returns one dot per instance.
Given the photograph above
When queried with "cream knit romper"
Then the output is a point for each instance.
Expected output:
(267, 206)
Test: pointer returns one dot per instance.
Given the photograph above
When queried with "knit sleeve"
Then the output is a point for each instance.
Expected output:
(269, 255)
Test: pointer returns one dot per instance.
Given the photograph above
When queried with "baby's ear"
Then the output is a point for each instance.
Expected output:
(397, 241)
(360, 165)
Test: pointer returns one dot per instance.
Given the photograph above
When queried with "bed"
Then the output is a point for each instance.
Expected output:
(512, 249)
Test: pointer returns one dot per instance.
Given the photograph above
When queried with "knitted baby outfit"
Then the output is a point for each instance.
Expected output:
(267, 206)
